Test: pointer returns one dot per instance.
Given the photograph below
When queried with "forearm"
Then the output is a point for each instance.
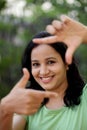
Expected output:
(5, 117)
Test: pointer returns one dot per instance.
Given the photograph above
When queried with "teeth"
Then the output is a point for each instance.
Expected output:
(46, 78)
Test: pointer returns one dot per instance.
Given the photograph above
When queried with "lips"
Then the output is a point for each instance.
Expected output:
(46, 79)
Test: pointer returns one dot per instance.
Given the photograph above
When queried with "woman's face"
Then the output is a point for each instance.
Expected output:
(48, 68)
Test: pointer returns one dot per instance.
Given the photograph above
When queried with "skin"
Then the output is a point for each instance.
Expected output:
(16, 99)
(49, 70)
(68, 31)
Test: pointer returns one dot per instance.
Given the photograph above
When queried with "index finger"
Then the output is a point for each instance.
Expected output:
(46, 40)
(42, 94)
(48, 94)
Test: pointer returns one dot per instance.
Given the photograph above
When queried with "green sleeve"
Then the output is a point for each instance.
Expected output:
(85, 93)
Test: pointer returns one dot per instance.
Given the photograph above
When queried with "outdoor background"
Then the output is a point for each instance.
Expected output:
(20, 20)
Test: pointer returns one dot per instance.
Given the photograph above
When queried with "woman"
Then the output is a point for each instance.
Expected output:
(49, 72)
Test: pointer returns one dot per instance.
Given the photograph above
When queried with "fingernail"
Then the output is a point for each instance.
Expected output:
(63, 17)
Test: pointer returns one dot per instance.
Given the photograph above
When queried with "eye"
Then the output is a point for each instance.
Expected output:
(35, 65)
(51, 62)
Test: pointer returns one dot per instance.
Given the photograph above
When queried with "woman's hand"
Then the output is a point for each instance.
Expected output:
(68, 31)
(24, 101)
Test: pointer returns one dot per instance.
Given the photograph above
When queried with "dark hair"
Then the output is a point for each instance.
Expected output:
(75, 82)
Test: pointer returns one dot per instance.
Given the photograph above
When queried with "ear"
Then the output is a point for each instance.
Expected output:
(67, 67)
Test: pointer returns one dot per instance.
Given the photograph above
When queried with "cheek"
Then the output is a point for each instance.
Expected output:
(34, 72)
(57, 68)
(60, 69)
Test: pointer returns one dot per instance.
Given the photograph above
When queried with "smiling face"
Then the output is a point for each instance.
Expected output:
(48, 68)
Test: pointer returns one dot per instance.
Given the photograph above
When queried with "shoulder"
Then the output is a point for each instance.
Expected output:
(85, 88)
(84, 94)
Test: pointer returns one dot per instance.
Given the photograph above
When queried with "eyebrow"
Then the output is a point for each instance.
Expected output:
(50, 58)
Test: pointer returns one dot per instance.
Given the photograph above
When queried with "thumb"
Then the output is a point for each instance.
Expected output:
(23, 81)
(69, 54)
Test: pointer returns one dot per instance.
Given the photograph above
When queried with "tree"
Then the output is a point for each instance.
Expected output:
(2, 4)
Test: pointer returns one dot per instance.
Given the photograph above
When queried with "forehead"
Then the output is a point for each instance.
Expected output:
(44, 50)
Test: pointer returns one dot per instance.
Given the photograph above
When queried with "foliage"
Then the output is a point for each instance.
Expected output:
(2, 4)
(15, 32)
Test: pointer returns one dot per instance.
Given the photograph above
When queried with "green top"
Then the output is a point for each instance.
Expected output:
(64, 118)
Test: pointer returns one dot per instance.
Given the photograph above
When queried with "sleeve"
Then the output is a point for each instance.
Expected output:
(85, 93)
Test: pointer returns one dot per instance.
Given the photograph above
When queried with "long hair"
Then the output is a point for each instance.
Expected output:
(75, 82)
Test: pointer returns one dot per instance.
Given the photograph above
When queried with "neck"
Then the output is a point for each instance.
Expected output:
(57, 102)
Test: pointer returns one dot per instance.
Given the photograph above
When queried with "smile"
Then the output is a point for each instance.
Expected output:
(46, 79)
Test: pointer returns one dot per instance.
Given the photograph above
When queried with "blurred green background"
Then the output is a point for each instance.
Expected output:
(20, 20)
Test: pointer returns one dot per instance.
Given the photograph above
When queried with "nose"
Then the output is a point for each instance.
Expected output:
(44, 70)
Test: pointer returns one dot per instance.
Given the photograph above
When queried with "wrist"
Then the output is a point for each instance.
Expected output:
(5, 107)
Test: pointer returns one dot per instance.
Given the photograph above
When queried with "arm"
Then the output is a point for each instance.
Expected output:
(19, 122)
(12, 122)
(68, 31)
(13, 103)
(21, 101)
(5, 118)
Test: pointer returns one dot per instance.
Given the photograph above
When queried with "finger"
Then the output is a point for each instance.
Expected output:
(46, 40)
(57, 24)
(23, 81)
(41, 94)
(69, 54)
(65, 19)
(48, 94)
(51, 29)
